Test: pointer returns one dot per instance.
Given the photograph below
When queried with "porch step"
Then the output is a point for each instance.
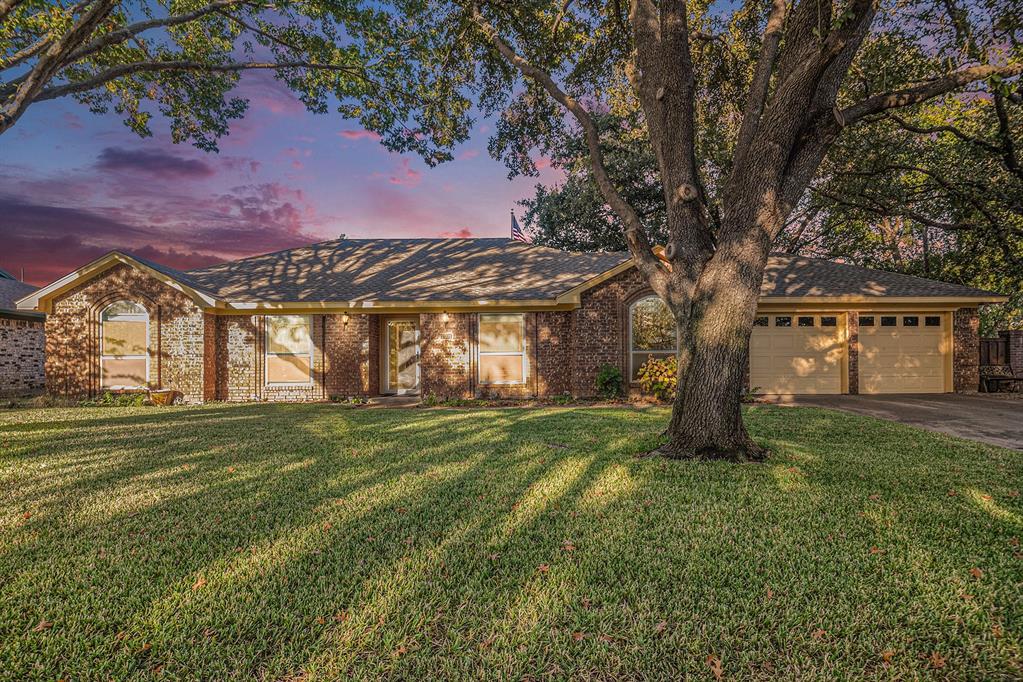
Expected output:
(384, 401)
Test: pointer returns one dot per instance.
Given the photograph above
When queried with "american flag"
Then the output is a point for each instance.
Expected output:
(516, 232)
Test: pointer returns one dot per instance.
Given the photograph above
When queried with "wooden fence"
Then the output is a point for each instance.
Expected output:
(994, 351)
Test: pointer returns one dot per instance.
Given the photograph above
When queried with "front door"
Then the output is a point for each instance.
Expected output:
(402, 375)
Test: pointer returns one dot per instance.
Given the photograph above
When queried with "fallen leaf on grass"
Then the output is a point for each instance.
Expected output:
(400, 651)
(660, 627)
(606, 639)
(770, 593)
(486, 644)
(887, 655)
(568, 546)
(996, 630)
(230, 470)
(715, 666)
(328, 525)
(544, 568)
(120, 636)
(146, 646)
(874, 497)
(952, 493)
(936, 660)
(819, 634)
(340, 616)
(320, 620)
(43, 625)
(875, 550)
(977, 573)
(199, 584)
(26, 516)
(578, 636)
(585, 601)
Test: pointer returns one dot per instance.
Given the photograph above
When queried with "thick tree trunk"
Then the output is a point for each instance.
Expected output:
(706, 418)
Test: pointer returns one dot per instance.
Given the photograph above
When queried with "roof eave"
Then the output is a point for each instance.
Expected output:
(41, 300)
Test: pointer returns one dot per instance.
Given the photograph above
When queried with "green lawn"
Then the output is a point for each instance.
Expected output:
(317, 542)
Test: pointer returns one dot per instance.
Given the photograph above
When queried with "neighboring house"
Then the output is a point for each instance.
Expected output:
(465, 317)
(21, 340)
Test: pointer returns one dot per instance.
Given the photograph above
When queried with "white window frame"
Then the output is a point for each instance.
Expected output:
(481, 353)
(103, 356)
(267, 352)
(633, 351)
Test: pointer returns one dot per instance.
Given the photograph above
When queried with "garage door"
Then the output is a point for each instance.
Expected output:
(796, 354)
(902, 353)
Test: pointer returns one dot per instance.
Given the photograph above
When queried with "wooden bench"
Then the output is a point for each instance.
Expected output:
(995, 377)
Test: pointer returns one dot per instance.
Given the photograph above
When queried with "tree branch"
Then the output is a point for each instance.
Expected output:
(182, 65)
(51, 61)
(906, 125)
(757, 97)
(131, 30)
(925, 91)
(639, 246)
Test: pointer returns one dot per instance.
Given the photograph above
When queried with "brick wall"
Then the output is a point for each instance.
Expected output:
(598, 329)
(238, 370)
(446, 367)
(176, 330)
(966, 350)
(554, 352)
(853, 321)
(22, 356)
(352, 355)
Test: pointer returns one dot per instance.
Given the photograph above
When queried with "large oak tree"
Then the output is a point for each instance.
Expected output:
(812, 76)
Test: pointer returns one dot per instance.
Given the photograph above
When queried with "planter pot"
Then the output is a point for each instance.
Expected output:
(163, 396)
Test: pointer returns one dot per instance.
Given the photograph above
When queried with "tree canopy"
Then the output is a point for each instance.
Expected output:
(183, 58)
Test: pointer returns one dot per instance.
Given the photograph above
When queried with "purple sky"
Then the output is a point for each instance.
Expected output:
(74, 185)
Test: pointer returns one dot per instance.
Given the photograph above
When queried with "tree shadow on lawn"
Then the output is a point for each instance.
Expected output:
(412, 544)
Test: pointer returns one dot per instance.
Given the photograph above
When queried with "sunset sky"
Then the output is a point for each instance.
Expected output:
(74, 185)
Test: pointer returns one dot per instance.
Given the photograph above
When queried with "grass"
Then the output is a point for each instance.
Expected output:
(317, 542)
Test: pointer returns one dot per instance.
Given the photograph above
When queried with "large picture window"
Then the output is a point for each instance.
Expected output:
(124, 346)
(289, 349)
(502, 349)
(652, 333)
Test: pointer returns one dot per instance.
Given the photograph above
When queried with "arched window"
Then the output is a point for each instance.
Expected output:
(124, 346)
(652, 332)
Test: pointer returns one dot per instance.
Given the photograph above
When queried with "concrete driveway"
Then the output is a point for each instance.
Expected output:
(998, 421)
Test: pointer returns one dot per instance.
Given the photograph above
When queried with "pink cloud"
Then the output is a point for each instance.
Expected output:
(467, 154)
(542, 162)
(406, 175)
(72, 121)
(360, 135)
(464, 233)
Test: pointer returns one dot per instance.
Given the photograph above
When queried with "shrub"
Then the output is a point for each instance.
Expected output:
(609, 382)
(108, 399)
(659, 377)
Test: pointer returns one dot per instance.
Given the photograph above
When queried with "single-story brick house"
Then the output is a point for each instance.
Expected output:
(21, 340)
(468, 317)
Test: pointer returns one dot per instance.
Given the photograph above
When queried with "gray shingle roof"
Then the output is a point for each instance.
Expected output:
(412, 270)
(405, 270)
(794, 276)
(11, 290)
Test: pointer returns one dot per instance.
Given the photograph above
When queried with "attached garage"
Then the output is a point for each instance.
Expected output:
(905, 352)
(793, 354)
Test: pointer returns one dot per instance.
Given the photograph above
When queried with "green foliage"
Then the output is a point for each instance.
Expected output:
(610, 384)
(183, 59)
(429, 545)
(658, 377)
(109, 399)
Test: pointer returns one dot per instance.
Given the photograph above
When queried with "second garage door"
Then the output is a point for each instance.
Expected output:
(902, 353)
(797, 354)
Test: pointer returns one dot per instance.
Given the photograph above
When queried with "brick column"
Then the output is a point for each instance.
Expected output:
(1014, 347)
(966, 350)
(853, 320)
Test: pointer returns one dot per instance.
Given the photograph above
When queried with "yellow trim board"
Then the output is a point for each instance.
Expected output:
(42, 299)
